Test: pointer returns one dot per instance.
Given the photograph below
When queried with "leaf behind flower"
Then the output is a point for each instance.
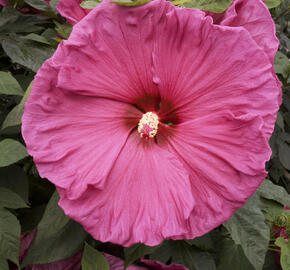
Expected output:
(93, 259)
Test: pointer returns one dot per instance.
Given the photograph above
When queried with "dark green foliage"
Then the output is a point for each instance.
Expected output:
(93, 259)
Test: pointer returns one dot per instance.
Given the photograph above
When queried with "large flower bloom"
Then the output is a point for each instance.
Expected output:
(153, 121)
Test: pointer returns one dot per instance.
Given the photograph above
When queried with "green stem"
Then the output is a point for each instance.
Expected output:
(272, 249)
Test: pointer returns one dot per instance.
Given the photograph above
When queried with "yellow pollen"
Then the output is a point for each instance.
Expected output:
(148, 125)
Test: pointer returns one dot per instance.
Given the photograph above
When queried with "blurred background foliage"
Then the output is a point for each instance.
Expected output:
(30, 31)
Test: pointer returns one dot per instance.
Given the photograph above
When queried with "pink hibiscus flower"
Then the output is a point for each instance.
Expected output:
(3, 3)
(153, 121)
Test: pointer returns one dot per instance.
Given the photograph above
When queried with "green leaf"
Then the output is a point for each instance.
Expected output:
(12, 20)
(13, 119)
(30, 217)
(26, 52)
(285, 252)
(53, 220)
(248, 228)
(9, 199)
(90, 4)
(281, 64)
(14, 178)
(137, 251)
(11, 151)
(49, 34)
(284, 41)
(9, 236)
(273, 3)
(39, 4)
(8, 85)
(280, 121)
(274, 192)
(3, 264)
(204, 242)
(92, 259)
(271, 209)
(57, 236)
(284, 154)
(217, 6)
(53, 4)
(15, 115)
(231, 255)
(63, 30)
(181, 252)
(37, 38)
(131, 3)
(164, 253)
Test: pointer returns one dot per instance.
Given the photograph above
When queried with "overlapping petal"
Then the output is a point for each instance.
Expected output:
(254, 16)
(220, 69)
(71, 10)
(118, 51)
(225, 155)
(74, 139)
(147, 198)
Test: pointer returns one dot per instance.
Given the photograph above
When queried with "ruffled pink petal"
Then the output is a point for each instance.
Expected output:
(205, 68)
(146, 198)
(71, 10)
(112, 58)
(74, 139)
(254, 16)
(225, 155)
